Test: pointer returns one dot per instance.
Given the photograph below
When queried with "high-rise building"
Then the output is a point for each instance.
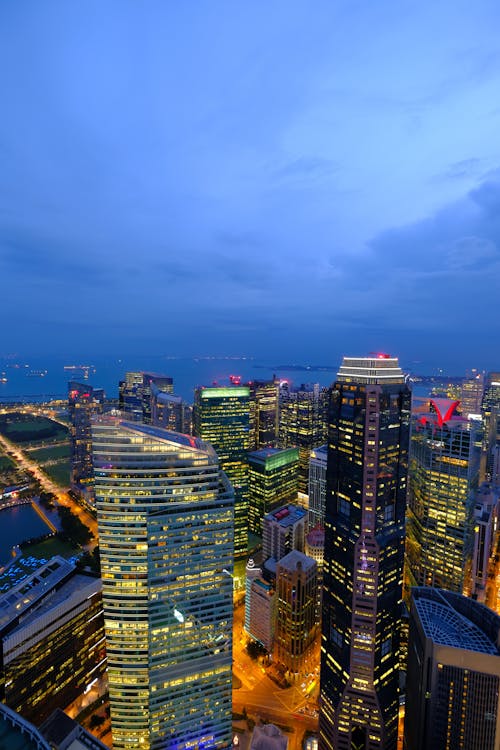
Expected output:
(284, 530)
(262, 612)
(317, 486)
(272, 481)
(83, 402)
(368, 440)
(168, 411)
(221, 417)
(471, 394)
(444, 470)
(485, 542)
(453, 683)
(490, 412)
(135, 394)
(165, 514)
(264, 413)
(296, 616)
(303, 424)
(52, 639)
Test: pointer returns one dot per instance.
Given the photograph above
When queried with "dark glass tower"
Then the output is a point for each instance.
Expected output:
(364, 548)
(221, 417)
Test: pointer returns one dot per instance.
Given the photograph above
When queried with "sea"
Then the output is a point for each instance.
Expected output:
(38, 379)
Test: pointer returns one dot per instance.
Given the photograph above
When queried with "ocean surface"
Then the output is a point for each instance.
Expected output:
(38, 379)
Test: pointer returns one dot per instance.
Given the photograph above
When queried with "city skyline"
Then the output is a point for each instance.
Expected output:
(276, 178)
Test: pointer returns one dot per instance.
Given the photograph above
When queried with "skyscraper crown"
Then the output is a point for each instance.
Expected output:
(377, 370)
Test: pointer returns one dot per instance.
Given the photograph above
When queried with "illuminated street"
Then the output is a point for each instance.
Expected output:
(48, 485)
(294, 707)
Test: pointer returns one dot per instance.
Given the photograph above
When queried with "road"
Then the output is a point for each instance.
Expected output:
(24, 462)
(263, 699)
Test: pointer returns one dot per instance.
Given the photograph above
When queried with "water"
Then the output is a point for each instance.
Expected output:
(18, 524)
(34, 379)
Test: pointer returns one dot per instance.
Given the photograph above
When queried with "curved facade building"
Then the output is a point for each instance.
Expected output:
(165, 516)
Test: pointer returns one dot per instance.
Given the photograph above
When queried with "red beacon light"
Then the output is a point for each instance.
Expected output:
(382, 355)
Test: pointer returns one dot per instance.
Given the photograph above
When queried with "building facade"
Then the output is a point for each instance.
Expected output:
(272, 481)
(303, 424)
(317, 486)
(364, 549)
(52, 639)
(284, 530)
(296, 621)
(264, 413)
(444, 471)
(453, 684)
(83, 402)
(221, 417)
(165, 514)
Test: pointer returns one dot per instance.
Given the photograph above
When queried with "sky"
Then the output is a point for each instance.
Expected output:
(290, 180)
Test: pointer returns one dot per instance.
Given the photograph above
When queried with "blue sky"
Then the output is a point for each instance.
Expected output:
(292, 180)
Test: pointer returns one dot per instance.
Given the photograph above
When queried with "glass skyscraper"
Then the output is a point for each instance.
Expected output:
(364, 549)
(221, 417)
(444, 471)
(165, 516)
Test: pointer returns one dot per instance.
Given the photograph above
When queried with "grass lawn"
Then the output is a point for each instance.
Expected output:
(24, 428)
(59, 473)
(5, 463)
(40, 455)
(49, 548)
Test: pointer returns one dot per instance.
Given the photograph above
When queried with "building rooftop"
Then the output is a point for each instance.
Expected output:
(286, 515)
(320, 453)
(293, 559)
(316, 537)
(444, 619)
(18, 734)
(63, 733)
(159, 433)
(23, 595)
(273, 458)
(77, 584)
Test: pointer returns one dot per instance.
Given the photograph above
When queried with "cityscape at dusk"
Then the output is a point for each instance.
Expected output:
(250, 375)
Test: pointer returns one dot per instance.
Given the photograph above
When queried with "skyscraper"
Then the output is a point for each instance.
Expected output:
(83, 402)
(303, 424)
(272, 481)
(444, 470)
(453, 685)
(363, 563)
(221, 417)
(165, 519)
(264, 412)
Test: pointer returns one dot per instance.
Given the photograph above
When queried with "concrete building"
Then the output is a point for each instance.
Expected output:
(296, 622)
(165, 514)
(272, 482)
(485, 542)
(284, 530)
(453, 683)
(262, 609)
